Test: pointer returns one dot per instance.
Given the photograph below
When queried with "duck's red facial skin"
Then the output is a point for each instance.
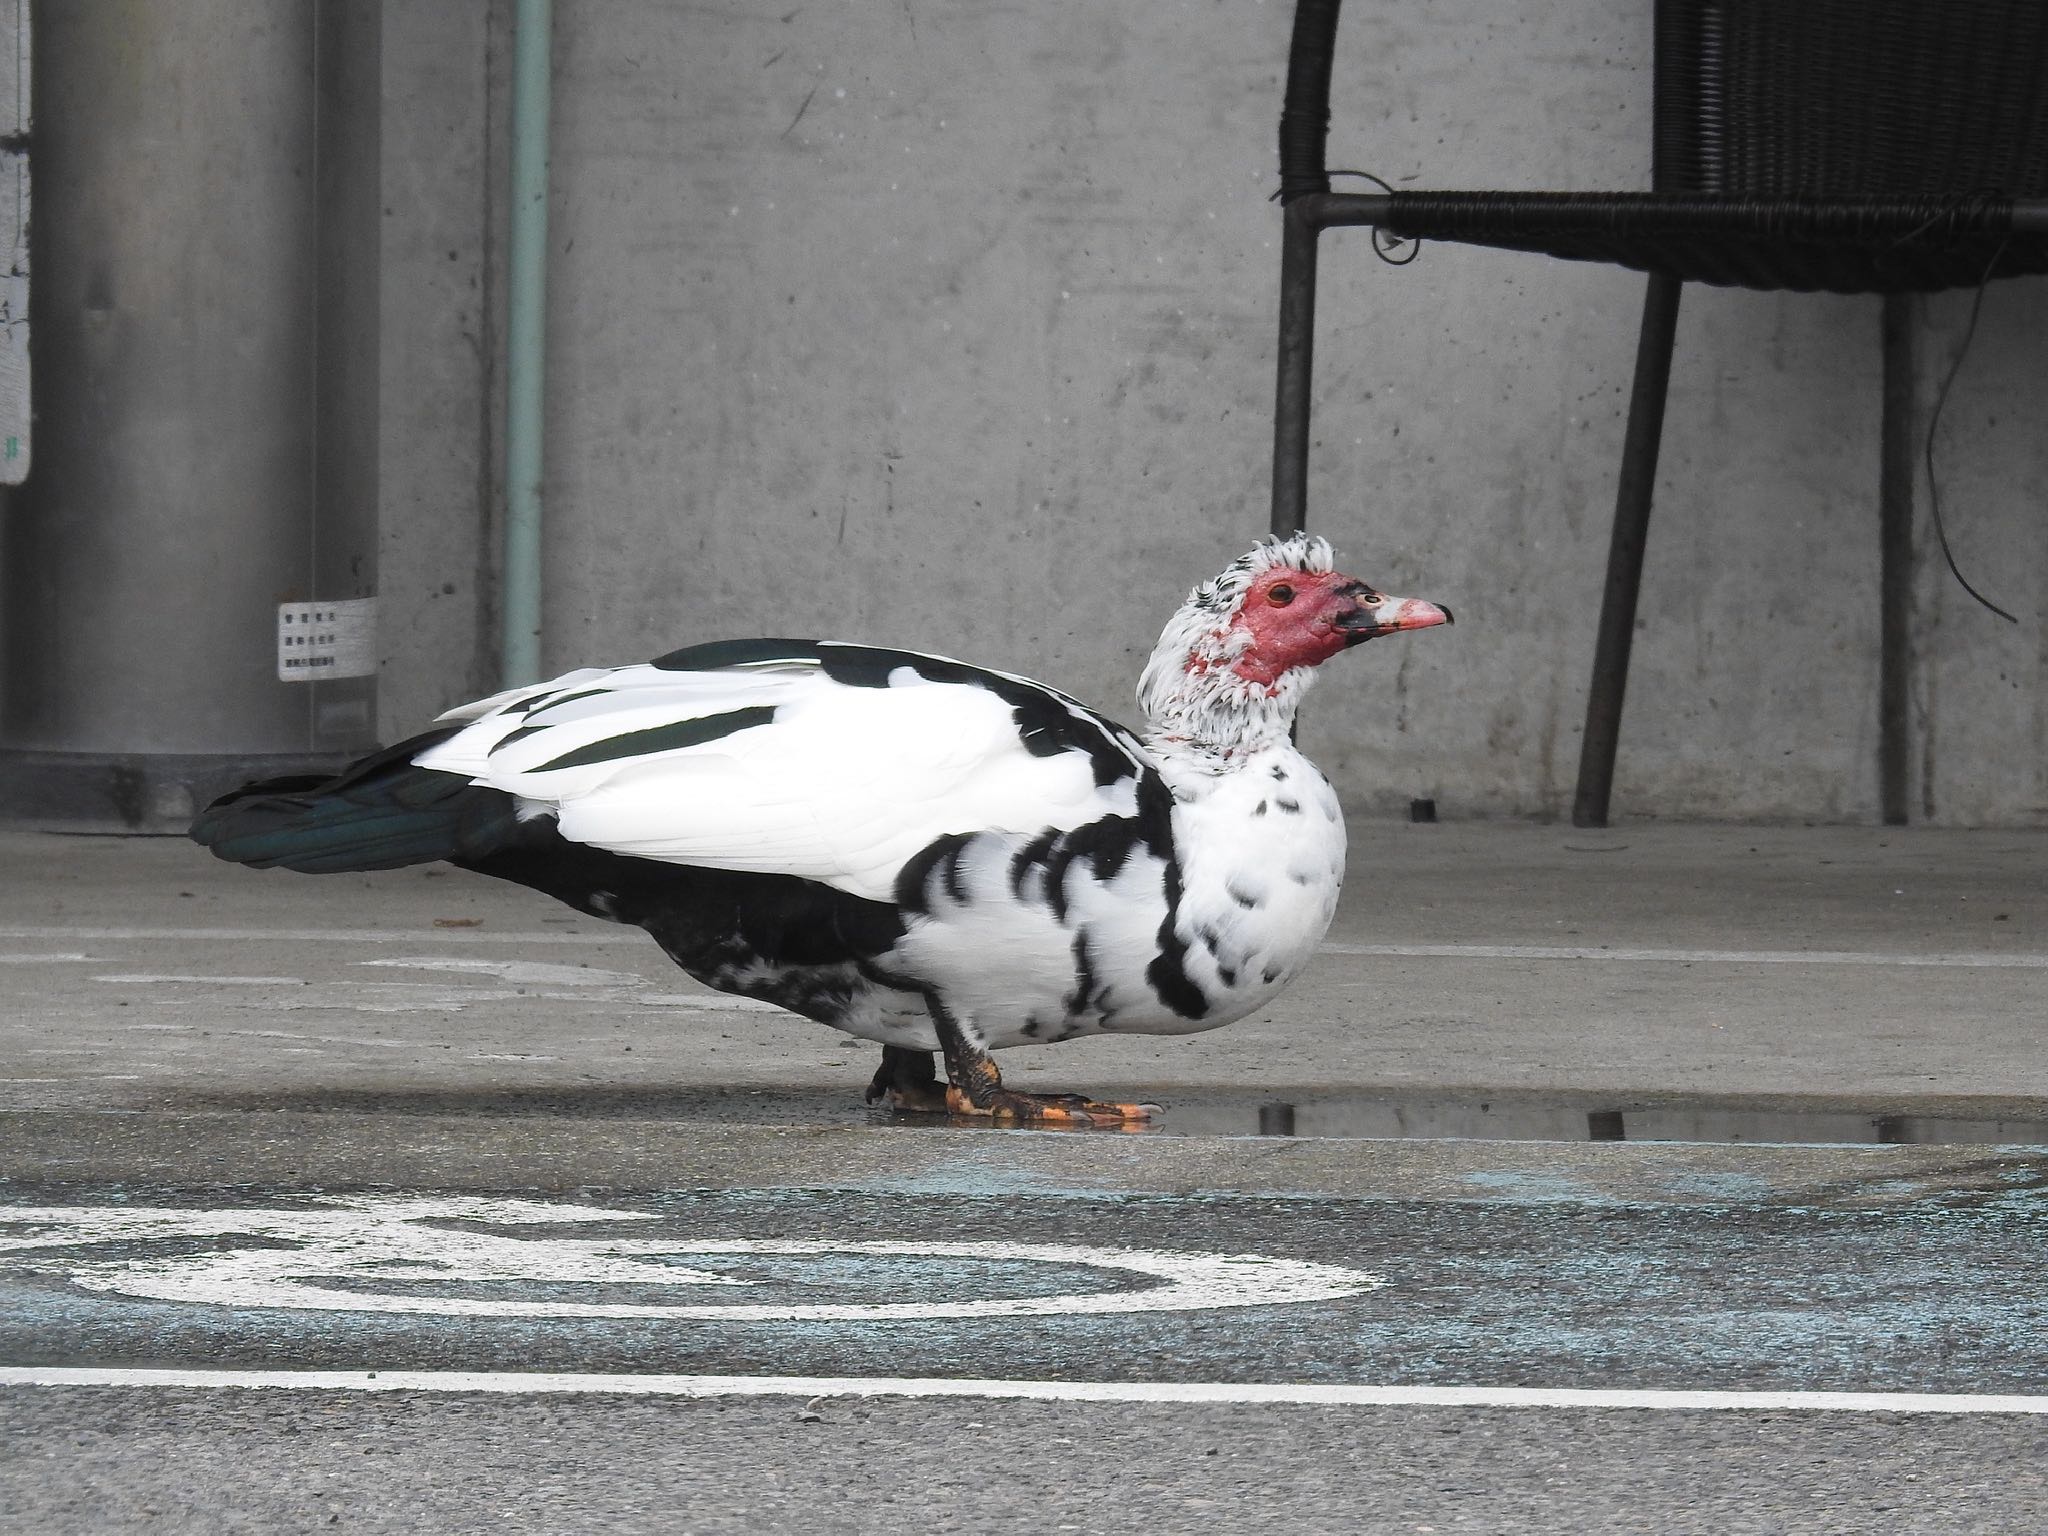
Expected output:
(1292, 619)
(1302, 619)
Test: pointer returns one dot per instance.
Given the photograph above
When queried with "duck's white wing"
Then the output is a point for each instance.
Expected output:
(831, 762)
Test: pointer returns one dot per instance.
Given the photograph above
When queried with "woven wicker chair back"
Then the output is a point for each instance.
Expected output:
(1818, 98)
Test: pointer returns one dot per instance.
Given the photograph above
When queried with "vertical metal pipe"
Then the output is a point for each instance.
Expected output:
(1625, 551)
(1895, 558)
(526, 345)
(1298, 242)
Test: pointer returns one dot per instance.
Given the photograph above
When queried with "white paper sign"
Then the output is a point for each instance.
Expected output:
(316, 641)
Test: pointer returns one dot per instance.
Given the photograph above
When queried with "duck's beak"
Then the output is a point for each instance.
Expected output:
(1377, 614)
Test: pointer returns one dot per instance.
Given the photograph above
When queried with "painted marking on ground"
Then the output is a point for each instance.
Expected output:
(524, 979)
(585, 938)
(1239, 1393)
(144, 978)
(1691, 956)
(376, 1253)
(581, 937)
(606, 983)
(526, 973)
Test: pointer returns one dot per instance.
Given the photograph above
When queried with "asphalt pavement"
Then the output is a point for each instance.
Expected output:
(523, 1230)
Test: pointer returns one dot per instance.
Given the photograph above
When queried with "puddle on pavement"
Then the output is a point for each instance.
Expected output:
(1533, 1121)
(1506, 1117)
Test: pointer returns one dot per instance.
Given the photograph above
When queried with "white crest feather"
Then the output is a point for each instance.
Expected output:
(1189, 692)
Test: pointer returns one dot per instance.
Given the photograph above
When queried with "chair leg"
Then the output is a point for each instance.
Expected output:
(1895, 560)
(1296, 371)
(1625, 552)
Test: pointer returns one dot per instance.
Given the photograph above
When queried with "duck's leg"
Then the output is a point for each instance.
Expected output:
(976, 1086)
(907, 1080)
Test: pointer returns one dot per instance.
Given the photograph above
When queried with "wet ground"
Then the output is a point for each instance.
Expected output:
(1757, 1119)
(1773, 1272)
(1669, 1110)
(819, 1268)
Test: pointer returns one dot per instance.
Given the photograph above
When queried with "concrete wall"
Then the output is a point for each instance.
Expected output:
(952, 326)
(438, 503)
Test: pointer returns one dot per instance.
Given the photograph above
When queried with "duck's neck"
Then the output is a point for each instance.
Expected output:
(1202, 711)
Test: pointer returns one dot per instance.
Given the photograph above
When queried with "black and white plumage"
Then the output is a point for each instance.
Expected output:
(917, 851)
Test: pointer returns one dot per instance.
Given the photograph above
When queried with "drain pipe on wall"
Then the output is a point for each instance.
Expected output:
(519, 596)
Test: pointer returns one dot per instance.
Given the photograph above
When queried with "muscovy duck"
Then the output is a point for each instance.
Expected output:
(916, 851)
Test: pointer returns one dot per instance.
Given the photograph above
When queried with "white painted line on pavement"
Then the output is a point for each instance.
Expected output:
(140, 978)
(332, 935)
(1239, 1393)
(1638, 956)
(1690, 956)
(525, 973)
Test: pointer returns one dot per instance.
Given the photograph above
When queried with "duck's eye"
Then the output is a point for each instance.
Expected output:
(1280, 596)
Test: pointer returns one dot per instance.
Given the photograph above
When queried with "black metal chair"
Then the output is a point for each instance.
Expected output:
(1853, 146)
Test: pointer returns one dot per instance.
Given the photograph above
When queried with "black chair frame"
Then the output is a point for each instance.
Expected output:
(1727, 209)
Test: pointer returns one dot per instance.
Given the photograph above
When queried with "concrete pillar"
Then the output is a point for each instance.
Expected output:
(205, 252)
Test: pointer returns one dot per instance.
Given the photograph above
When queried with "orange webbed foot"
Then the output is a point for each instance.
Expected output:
(1006, 1106)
